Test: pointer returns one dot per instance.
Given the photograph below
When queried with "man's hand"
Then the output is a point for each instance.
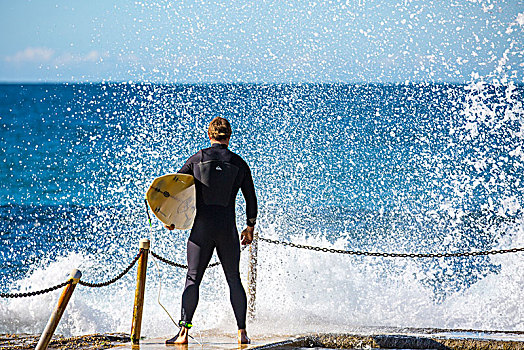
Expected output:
(247, 235)
(170, 228)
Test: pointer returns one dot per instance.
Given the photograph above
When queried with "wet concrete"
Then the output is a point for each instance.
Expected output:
(394, 338)
(206, 340)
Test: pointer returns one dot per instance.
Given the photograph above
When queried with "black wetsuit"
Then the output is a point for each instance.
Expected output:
(219, 174)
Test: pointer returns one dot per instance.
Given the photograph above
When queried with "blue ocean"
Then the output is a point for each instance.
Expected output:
(405, 168)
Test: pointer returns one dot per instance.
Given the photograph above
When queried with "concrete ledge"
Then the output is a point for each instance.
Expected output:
(208, 340)
(351, 341)
(392, 338)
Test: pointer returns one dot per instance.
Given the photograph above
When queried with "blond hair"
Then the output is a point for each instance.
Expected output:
(219, 129)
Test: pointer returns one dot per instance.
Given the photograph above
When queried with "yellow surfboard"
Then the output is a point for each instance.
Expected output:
(172, 199)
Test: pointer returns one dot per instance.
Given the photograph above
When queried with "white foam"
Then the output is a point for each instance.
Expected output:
(297, 291)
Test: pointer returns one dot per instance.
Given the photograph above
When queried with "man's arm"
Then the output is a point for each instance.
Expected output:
(248, 190)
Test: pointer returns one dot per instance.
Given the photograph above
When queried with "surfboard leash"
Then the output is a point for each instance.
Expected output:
(164, 308)
(158, 269)
(160, 282)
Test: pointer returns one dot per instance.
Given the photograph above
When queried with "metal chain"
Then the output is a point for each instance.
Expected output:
(38, 292)
(172, 263)
(393, 255)
(267, 240)
(182, 266)
(113, 280)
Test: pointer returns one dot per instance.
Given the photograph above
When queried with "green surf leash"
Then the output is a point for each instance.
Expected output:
(180, 323)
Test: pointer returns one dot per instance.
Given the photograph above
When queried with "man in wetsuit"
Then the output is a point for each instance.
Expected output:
(219, 174)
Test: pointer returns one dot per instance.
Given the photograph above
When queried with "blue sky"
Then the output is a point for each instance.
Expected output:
(261, 41)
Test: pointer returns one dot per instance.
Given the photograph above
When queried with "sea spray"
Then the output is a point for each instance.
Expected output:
(376, 178)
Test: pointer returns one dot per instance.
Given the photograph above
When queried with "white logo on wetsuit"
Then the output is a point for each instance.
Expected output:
(218, 167)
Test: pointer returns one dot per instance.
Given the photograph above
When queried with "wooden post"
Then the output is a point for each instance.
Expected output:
(140, 291)
(252, 277)
(50, 328)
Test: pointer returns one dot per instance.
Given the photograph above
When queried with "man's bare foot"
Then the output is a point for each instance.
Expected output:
(180, 338)
(242, 337)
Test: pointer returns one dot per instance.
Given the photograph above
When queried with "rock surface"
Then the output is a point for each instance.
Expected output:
(84, 342)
